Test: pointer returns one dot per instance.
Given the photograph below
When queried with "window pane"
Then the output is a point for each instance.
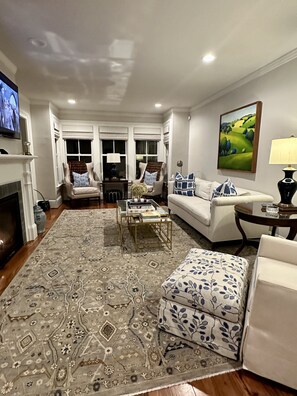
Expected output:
(121, 168)
(152, 158)
(86, 158)
(107, 146)
(120, 146)
(152, 147)
(72, 146)
(141, 158)
(72, 158)
(140, 146)
(85, 146)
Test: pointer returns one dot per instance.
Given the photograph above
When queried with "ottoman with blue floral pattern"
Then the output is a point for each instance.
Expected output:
(203, 301)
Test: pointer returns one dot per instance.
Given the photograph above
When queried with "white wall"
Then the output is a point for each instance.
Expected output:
(278, 92)
(42, 147)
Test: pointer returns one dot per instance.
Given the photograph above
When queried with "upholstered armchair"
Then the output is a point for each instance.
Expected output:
(80, 180)
(153, 182)
(270, 346)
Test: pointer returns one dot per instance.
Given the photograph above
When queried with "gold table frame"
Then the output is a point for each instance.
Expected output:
(161, 226)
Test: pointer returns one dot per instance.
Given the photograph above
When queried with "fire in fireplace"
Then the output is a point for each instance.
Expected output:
(11, 235)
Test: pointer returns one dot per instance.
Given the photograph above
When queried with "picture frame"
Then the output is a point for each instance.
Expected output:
(239, 138)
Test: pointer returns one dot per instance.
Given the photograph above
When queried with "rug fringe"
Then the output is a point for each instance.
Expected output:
(183, 382)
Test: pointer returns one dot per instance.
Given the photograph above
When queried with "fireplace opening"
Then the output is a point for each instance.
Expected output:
(11, 236)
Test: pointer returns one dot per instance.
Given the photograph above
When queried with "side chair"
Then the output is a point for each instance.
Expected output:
(80, 181)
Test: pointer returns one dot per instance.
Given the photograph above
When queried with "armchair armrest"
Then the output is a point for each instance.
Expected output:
(157, 187)
(278, 249)
(95, 183)
(69, 187)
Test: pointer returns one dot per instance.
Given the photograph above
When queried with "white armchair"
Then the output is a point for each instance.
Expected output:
(269, 346)
(156, 188)
(73, 192)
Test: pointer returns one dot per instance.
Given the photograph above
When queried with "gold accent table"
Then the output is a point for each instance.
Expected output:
(132, 218)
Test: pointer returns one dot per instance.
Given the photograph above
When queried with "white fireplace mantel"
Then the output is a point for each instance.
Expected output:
(14, 167)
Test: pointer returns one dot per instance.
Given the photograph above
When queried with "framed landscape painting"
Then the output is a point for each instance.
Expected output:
(239, 137)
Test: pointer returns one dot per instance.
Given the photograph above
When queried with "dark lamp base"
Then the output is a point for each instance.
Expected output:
(287, 188)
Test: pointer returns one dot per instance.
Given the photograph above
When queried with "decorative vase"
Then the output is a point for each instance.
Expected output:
(39, 218)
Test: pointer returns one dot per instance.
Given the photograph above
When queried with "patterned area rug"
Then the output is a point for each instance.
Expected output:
(80, 318)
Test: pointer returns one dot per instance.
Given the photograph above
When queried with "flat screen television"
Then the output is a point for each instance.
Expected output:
(9, 109)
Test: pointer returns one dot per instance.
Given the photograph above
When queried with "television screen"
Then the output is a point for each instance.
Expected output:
(9, 109)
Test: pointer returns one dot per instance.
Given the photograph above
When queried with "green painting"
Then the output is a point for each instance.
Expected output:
(239, 136)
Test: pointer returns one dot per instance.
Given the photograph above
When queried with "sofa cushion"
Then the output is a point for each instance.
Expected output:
(212, 282)
(197, 207)
(184, 185)
(203, 188)
(225, 189)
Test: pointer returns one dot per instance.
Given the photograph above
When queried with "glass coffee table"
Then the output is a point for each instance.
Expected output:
(136, 214)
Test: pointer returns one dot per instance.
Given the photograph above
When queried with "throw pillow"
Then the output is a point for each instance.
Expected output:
(184, 185)
(203, 188)
(150, 178)
(80, 179)
(225, 189)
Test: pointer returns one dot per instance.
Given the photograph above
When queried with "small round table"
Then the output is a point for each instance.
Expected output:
(256, 213)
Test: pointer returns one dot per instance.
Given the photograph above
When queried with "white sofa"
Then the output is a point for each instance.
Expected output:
(214, 218)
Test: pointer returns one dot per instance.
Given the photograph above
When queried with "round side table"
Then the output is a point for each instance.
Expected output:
(256, 213)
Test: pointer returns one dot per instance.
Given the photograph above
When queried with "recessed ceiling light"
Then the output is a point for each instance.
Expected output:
(71, 101)
(158, 105)
(208, 58)
(38, 42)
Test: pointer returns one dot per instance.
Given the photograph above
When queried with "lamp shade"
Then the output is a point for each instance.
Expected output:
(283, 151)
(113, 158)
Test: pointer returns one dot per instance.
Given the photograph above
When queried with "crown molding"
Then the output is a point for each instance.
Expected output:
(250, 77)
(40, 102)
(173, 110)
(97, 115)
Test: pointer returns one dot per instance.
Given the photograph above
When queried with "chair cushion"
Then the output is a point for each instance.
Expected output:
(150, 178)
(184, 185)
(212, 282)
(85, 190)
(81, 180)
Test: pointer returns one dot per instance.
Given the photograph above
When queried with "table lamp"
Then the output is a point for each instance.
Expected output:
(113, 158)
(284, 151)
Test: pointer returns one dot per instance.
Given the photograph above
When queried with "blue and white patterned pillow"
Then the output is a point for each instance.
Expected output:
(150, 178)
(81, 180)
(225, 189)
(184, 185)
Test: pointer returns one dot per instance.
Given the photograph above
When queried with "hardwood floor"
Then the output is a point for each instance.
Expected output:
(239, 383)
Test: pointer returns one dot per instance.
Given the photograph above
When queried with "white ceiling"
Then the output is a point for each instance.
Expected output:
(126, 55)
